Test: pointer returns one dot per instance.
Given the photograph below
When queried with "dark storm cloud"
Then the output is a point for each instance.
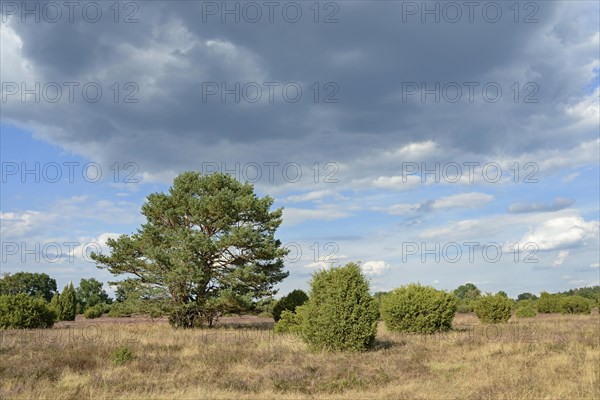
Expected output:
(369, 54)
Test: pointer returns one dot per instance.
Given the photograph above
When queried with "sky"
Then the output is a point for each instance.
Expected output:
(433, 142)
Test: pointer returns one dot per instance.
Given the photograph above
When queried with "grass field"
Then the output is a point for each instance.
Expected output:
(547, 357)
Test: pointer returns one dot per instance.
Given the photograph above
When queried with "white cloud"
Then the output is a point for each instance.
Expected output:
(18, 224)
(295, 216)
(560, 259)
(463, 200)
(87, 245)
(375, 267)
(310, 196)
(561, 233)
(570, 177)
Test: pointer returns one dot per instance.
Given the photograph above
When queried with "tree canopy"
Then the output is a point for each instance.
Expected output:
(33, 284)
(209, 244)
(90, 293)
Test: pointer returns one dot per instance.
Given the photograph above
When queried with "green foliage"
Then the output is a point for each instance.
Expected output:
(21, 311)
(526, 312)
(418, 309)
(502, 293)
(67, 304)
(289, 302)
(493, 309)
(33, 284)
(548, 303)
(526, 296)
(122, 309)
(525, 303)
(94, 311)
(264, 307)
(290, 321)
(574, 305)
(340, 313)
(209, 244)
(377, 297)
(464, 306)
(592, 292)
(468, 291)
(90, 293)
(121, 356)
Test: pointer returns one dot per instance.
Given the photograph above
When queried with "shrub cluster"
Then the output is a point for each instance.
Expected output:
(22, 311)
(94, 311)
(526, 312)
(493, 308)
(340, 314)
(574, 305)
(290, 321)
(548, 303)
(289, 302)
(418, 309)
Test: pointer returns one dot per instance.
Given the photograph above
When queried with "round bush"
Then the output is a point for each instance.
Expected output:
(574, 305)
(418, 309)
(290, 322)
(289, 302)
(121, 356)
(548, 303)
(22, 311)
(94, 312)
(340, 313)
(526, 312)
(493, 309)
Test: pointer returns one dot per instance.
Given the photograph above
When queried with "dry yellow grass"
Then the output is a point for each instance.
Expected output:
(548, 357)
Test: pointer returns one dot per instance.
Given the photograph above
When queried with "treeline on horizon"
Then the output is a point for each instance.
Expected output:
(24, 294)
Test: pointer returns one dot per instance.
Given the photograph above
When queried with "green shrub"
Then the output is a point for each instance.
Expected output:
(493, 308)
(94, 311)
(289, 302)
(526, 312)
(122, 309)
(67, 304)
(464, 306)
(548, 303)
(340, 313)
(22, 311)
(418, 309)
(290, 322)
(121, 356)
(574, 305)
(525, 303)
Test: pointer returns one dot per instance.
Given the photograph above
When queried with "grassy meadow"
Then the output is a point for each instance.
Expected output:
(550, 356)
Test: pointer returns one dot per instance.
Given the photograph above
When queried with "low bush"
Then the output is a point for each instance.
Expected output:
(418, 309)
(526, 312)
(464, 306)
(493, 308)
(548, 303)
(122, 309)
(289, 302)
(574, 305)
(290, 322)
(340, 313)
(94, 311)
(121, 356)
(22, 311)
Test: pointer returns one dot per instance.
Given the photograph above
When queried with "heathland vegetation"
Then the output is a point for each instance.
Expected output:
(208, 252)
